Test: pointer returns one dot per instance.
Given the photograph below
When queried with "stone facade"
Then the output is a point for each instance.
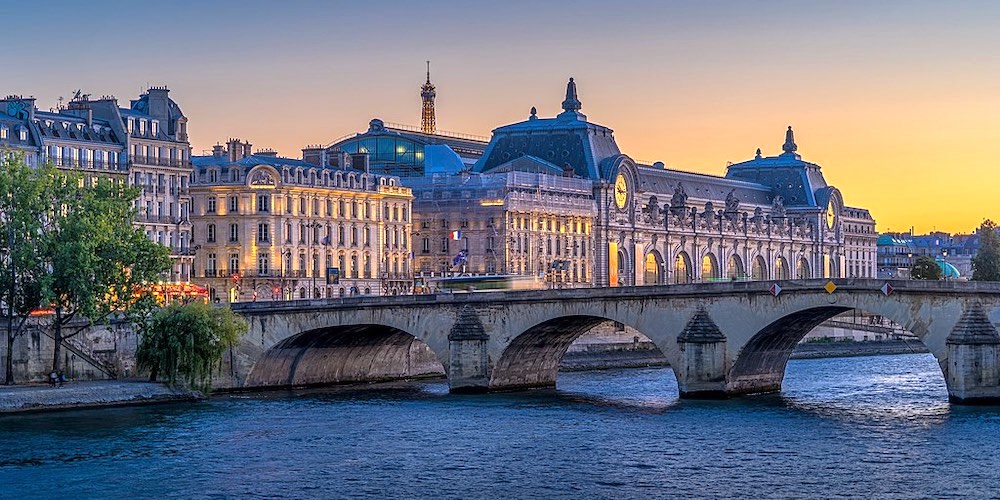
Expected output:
(860, 259)
(272, 228)
(522, 223)
(145, 144)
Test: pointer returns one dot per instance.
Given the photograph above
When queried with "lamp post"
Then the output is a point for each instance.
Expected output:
(909, 265)
(313, 226)
(284, 254)
(944, 258)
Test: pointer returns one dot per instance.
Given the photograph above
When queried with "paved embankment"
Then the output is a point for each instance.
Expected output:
(602, 356)
(809, 350)
(76, 395)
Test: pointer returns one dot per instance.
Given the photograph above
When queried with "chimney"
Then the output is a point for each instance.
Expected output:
(218, 151)
(267, 153)
(238, 149)
(159, 103)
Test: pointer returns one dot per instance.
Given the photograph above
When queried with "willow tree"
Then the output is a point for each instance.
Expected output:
(96, 262)
(187, 341)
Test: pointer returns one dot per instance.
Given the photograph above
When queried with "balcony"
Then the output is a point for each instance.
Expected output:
(84, 164)
(156, 161)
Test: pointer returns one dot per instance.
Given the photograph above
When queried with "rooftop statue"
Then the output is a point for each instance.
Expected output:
(732, 202)
(778, 207)
(679, 200)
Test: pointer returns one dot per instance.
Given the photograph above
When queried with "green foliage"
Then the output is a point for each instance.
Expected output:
(925, 268)
(187, 342)
(986, 263)
(75, 247)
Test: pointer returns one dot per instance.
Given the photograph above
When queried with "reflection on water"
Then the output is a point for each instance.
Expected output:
(857, 427)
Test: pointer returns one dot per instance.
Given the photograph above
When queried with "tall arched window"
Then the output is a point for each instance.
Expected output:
(759, 272)
(682, 269)
(709, 267)
(653, 272)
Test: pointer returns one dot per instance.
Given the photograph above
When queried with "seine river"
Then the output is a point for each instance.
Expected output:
(851, 427)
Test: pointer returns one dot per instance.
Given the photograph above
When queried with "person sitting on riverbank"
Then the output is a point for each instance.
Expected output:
(53, 378)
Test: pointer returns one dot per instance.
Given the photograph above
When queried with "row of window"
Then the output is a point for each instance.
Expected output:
(353, 209)
(337, 180)
(265, 266)
(22, 133)
(395, 237)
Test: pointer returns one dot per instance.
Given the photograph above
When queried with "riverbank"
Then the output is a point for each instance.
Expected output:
(842, 349)
(607, 355)
(81, 395)
(610, 355)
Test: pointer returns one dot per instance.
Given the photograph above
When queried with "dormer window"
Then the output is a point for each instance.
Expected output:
(131, 125)
(156, 127)
(142, 127)
(23, 134)
(3, 132)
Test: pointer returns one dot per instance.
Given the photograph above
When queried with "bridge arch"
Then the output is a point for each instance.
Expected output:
(761, 359)
(344, 354)
(532, 358)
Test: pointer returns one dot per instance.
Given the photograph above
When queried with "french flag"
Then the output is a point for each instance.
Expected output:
(456, 235)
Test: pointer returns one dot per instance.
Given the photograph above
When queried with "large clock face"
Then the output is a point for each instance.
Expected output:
(621, 191)
(831, 216)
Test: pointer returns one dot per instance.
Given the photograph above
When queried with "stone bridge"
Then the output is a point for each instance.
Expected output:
(721, 339)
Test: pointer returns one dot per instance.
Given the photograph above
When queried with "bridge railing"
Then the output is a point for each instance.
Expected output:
(694, 290)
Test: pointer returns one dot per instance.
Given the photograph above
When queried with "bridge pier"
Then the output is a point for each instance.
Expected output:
(973, 374)
(468, 361)
(702, 374)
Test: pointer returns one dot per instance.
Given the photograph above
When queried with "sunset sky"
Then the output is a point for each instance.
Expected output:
(898, 101)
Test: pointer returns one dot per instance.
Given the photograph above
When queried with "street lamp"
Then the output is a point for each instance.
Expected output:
(314, 225)
(283, 255)
(944, 258)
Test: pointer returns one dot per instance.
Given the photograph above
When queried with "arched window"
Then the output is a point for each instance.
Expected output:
(709, 267)
(653, 272)
(759, 272)
(735, 270)
(781, 268)
(802, 271)
(682, 269)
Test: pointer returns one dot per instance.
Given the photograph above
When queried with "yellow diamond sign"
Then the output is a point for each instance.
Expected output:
(830, 287)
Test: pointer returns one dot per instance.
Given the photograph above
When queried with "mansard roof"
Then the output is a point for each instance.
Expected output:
(702, 186)
(798, 182)
(566, 140)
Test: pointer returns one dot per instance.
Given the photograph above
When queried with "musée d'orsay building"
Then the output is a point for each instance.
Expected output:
(557, 196)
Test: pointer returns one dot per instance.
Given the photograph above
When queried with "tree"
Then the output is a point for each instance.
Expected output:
(925, 268)
(187, 341)
(23, 191)
(986, 263)
(98, 263)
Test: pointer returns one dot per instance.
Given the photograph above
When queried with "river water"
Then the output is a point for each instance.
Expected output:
(849, 427)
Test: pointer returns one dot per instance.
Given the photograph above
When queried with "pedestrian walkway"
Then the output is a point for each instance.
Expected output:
(21, 398)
